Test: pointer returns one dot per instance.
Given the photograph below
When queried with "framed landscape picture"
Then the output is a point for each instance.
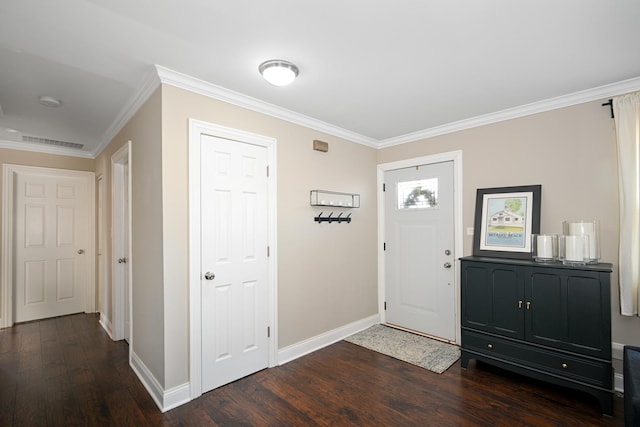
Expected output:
(506, 217)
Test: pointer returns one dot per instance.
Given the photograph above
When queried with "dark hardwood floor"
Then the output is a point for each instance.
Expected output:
(67, 372)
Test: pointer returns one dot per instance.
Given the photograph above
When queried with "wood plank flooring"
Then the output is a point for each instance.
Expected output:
(67, 372)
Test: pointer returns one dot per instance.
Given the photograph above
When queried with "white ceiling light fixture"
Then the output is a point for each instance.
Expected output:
(278, 72)
(49, 101)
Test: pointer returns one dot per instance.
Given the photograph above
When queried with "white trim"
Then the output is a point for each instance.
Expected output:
(617, 353)
(164, 399)
(149, 84)
(192, 84)
(196, 129)
(162, 75)
(456, 158)
(106, 325)
(42, 148)
(310, 345)
(118, 160)
(593, 94)
(6, 288)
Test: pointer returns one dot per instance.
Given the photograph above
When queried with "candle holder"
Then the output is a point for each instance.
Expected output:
(573, 250)
(544, 247)
(590, 229)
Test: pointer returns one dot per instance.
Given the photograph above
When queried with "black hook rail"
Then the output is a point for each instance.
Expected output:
(320, 219)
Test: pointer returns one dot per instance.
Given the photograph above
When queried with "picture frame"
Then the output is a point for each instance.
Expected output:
(505, 219)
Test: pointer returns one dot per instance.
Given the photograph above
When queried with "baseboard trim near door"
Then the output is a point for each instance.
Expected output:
(302, 348)
(106, 325)
(164, 399)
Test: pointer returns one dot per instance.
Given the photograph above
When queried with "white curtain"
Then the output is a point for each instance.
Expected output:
(627, 117)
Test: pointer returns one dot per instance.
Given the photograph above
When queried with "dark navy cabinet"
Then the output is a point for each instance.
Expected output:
(548, 321)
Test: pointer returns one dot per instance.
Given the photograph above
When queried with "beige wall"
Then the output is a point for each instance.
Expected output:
(29, 158)
(570, 151)
(327, 273)
(144, 132)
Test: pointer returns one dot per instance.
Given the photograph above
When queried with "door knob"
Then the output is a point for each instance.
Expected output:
(447, 265)
(447, 252)
(209, 275)
(122, 260)
(80, 251)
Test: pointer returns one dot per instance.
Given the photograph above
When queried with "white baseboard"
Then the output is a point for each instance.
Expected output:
(165, 399)
(287, 354)
(106, 325)
(617, 350)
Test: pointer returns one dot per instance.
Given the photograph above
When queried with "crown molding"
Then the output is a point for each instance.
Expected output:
(210, 90)
(597, 93)
(148, 85)
(37, 148)
(162, 75)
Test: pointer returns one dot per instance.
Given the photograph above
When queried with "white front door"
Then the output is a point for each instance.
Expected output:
(419, 239)
(234, 226)
(52, 245)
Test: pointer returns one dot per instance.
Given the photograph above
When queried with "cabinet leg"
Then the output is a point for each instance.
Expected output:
(464, 360)
(606, 403)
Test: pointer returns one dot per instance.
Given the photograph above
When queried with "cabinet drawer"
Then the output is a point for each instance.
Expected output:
(568, 366)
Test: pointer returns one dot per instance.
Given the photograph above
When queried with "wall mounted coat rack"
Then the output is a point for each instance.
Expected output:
(320, 219)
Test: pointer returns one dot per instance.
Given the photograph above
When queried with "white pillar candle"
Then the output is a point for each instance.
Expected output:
(586, 229)
(545, 247)
(575, 248)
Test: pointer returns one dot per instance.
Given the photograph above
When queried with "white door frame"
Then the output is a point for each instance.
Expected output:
(102, 258)
(456, 158)
(6, 295)
(196, 129)
(120, 160)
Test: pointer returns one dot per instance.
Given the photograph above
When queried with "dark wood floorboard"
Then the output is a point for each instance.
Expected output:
(66, 371)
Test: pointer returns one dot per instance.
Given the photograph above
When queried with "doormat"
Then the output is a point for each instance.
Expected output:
(427, 353)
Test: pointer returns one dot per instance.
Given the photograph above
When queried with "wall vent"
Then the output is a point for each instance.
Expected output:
(55, 142)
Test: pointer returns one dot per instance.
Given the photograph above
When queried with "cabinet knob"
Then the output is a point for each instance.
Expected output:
(528, 305)
(489, 345)
(564, 366)
(519, 303)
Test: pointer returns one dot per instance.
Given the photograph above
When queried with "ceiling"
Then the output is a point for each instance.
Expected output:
(382, 71)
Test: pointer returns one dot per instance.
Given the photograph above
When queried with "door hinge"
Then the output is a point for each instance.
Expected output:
(267, 171)
(384, 187)
(384, 246)
(385, 306)
(268, 331)
(268, 251)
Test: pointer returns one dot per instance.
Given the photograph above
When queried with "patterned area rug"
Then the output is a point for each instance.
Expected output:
(421, 351)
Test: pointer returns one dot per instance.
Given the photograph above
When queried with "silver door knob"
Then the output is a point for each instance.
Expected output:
(447, 265)
(209, 275)
(80, 251)
(447, 252)
(122, 260)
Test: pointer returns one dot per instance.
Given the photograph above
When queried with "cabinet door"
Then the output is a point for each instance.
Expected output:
(492, 297)
(569, 309)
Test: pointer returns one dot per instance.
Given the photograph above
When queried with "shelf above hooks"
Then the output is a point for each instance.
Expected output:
(334, 199)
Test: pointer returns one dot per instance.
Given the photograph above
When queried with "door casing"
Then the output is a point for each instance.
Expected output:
(6, 289)
(456, 158)
(196, 129)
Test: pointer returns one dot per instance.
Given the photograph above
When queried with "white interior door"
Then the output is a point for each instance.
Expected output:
(234, 236)
(52, 245)
(419, 252)
(121, 245)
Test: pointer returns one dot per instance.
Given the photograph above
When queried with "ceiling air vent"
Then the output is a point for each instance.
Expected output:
(55, 142)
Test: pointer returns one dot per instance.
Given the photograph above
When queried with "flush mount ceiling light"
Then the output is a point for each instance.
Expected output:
(49, 101)
(278, 72)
